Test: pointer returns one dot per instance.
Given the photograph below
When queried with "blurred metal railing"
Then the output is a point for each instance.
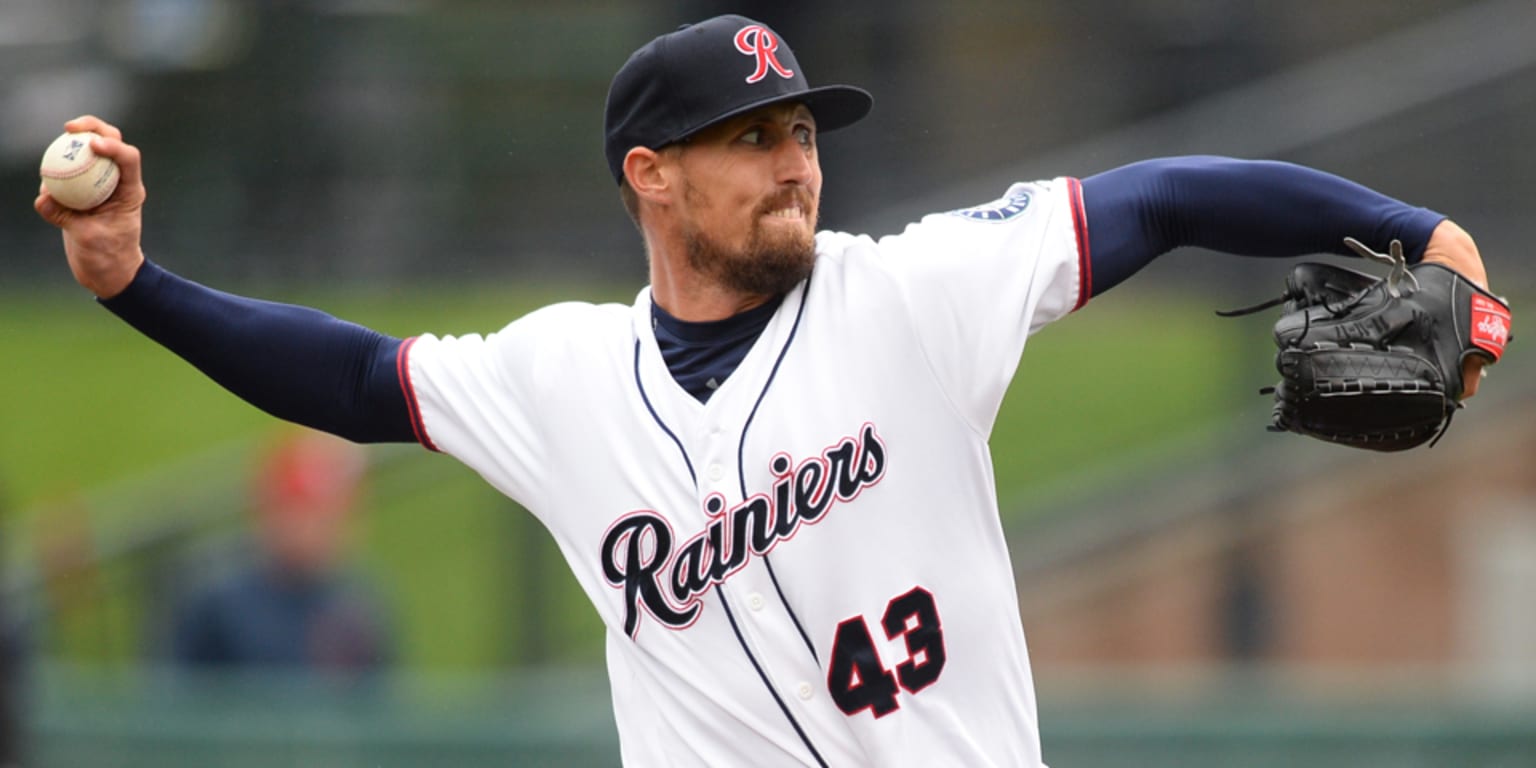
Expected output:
(1273, 117)
(561, 717)
(165, 719)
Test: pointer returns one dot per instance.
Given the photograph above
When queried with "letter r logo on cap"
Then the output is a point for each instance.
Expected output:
(756, 40)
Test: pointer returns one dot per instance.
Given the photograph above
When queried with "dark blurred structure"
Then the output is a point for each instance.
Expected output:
(10, 696)
(13, 657)
(10, 692)
(394, 141)
(290, 605)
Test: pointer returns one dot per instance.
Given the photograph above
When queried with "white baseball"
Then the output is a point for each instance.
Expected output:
(76, 176)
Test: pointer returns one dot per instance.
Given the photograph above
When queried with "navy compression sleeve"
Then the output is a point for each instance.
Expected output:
(1246, 207)
(293, 362)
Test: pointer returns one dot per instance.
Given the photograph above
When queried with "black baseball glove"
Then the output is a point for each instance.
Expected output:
(1373, 362)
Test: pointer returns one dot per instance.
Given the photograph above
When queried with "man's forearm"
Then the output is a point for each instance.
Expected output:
(1252, 208)
(293, 362)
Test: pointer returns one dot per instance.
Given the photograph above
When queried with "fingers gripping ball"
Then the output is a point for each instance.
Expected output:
(75, 176)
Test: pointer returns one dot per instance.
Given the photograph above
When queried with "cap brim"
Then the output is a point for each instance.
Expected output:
(837, 106)
(833, 106)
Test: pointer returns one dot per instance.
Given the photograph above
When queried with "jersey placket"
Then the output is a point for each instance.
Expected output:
(764, 623)
(756, 607)
(709, 439)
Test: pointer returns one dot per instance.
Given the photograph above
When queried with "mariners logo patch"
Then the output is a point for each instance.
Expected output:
(1002, 209)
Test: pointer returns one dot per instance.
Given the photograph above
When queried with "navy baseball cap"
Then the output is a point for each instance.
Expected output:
(704, 73)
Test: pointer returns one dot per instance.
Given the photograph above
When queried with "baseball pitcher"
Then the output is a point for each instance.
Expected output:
(770, 472)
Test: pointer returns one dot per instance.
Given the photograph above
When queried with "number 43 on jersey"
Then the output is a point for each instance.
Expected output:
(858, 680)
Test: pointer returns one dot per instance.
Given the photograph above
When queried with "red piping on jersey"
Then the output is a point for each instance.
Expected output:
(1080, 228)
(403, 370)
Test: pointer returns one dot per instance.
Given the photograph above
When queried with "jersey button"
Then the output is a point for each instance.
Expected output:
(755, 601)
(805, 691)
(716, 472)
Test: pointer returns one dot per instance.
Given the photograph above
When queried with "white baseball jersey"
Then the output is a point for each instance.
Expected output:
(809, 568)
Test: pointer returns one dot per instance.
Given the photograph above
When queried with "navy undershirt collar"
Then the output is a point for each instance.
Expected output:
(701, 355)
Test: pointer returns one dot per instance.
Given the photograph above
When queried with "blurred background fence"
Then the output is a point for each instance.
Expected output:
(436, 166)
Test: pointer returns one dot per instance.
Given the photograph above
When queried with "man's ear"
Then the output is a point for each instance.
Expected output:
(643, 169)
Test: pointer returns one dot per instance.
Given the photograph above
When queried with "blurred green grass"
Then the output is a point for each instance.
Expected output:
(89, 402)
(90, 407)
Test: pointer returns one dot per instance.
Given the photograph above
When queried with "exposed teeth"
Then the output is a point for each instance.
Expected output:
(787, 213)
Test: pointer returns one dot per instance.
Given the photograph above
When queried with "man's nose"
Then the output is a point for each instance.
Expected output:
(795, 163)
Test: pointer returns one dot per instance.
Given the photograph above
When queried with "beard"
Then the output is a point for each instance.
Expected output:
(770, 263)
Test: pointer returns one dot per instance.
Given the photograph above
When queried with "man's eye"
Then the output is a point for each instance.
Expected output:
(804, 136)
(754, 136)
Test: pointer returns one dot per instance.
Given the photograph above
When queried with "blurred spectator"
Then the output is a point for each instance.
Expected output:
(294, 607)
